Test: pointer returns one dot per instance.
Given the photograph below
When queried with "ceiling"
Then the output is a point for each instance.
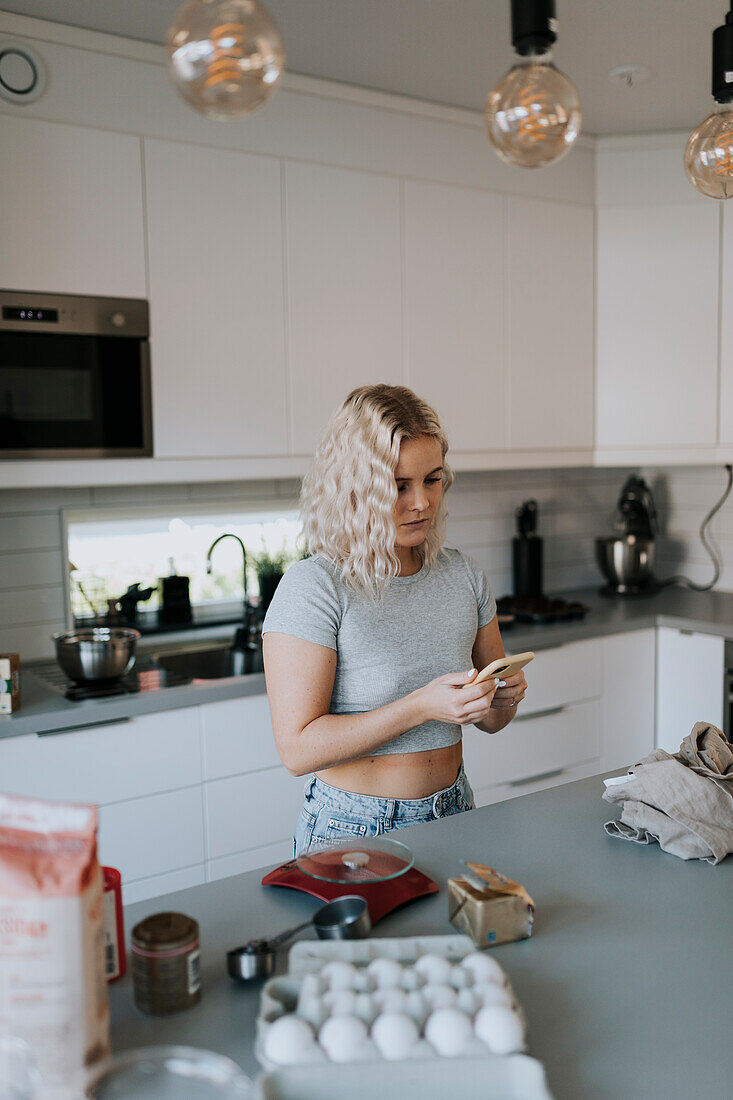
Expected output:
(452, 51)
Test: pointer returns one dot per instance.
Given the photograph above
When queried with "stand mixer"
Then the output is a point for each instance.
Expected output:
(626, 558)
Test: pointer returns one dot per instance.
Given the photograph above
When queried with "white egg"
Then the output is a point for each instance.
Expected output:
(390, 1000)
(311, 986)
(468, 1002)
(500, 1028)
(412, 979)
(313, 1010)
(417, 1008)
(339, 975)
(460, 978)
(484, 968)
(394, 1035)
(288, 1041)
(386, 973)
(340, 1002)
(435, 969)
(439, 996)
(363, 982)
(343, 1038)
(449, 1032)
(489, 993)
(365, 1008)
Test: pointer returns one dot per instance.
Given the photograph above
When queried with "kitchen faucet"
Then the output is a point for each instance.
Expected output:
(242, 636)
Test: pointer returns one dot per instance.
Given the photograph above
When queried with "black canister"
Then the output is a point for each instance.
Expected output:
(527, 552)
(165, 954)
(527, 566)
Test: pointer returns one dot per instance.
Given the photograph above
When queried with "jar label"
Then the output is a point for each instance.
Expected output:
(111, 948)
(194, 972)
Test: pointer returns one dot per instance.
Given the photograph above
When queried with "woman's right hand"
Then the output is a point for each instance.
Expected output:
(448, 699)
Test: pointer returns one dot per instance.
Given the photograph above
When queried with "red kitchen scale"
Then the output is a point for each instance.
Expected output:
(380, 870)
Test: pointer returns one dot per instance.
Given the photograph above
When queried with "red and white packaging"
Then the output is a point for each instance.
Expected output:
(53, 993)
(115, 958)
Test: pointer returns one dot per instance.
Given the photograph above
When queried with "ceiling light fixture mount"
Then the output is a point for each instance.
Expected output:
(709, 151)
(628, 76)
(533, 114)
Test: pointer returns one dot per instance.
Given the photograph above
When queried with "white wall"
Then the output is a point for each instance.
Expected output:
(683, 496)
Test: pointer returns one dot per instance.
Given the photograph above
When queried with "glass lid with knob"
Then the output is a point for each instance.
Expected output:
(371, 859)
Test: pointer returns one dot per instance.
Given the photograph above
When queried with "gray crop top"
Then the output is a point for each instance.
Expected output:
(424, 626)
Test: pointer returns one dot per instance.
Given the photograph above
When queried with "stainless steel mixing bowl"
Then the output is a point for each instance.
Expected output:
(97, 653)
(625, 561)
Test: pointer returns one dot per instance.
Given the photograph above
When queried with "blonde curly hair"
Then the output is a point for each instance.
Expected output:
(348, 497)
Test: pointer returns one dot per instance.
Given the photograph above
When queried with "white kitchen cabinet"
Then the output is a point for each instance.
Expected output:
(534, 750)
(454, 309)
(251, 811)
(589, 709)
(237, 737)
(216, 302)
(153, 836)
(105, 763)
(726, 329)
(657, 332)
(628, 698)
(690, 672)
(557, 728)
(344, 290)
(71, 214)
(550, 349)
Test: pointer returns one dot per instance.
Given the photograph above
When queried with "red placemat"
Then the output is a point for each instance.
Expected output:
(381, 897)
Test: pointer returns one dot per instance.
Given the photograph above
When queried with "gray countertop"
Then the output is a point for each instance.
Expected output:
(625, 982)
(45, 710)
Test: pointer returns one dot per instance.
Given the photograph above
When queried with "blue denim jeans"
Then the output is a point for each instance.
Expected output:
(332, 814)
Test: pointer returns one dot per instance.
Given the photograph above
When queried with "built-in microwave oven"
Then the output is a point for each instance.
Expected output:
(74, 377)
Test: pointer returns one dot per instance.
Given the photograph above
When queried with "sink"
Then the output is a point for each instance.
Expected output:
(212, 663)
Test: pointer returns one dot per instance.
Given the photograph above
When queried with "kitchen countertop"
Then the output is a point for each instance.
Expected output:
(45, 710)
(624, 982)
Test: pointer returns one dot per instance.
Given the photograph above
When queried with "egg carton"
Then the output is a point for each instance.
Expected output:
(280, 995)
(493, 1077)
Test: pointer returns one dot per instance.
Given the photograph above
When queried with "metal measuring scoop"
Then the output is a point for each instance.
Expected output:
(345, 918)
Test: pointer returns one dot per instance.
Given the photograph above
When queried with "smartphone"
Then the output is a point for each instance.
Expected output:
(503, 667)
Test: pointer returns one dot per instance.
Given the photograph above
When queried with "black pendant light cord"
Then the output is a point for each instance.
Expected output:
(685, 581)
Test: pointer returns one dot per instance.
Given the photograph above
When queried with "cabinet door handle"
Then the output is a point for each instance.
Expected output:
(540, 713)
(536, 778)
(77, 729)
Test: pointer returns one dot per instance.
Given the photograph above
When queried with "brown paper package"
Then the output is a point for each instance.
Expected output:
(499, 912)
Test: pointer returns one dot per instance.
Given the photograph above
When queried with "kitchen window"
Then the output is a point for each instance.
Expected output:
(111, 549)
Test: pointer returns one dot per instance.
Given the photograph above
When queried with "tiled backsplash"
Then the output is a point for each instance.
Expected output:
(575, 505)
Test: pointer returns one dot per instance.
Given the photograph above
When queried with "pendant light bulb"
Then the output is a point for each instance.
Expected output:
(533, 114)
(226, 57)
(709, 150)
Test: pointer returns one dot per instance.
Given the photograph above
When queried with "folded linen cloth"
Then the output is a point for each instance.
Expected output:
(682, 801)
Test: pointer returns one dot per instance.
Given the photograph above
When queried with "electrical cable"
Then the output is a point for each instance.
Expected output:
(685, 581)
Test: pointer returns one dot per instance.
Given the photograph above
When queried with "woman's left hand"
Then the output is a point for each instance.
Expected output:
(511, 693)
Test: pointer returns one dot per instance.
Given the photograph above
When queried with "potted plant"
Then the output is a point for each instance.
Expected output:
(269, 568)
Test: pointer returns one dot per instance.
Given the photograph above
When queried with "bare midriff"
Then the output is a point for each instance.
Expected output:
(398, 774)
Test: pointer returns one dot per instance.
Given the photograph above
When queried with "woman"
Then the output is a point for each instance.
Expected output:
(370, 644)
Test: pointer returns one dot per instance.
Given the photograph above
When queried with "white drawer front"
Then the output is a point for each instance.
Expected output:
(108, 763)
(563, 675)
(152, 836)
(487, 796)
(534, 746)
(237, 737)
(250, 811)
